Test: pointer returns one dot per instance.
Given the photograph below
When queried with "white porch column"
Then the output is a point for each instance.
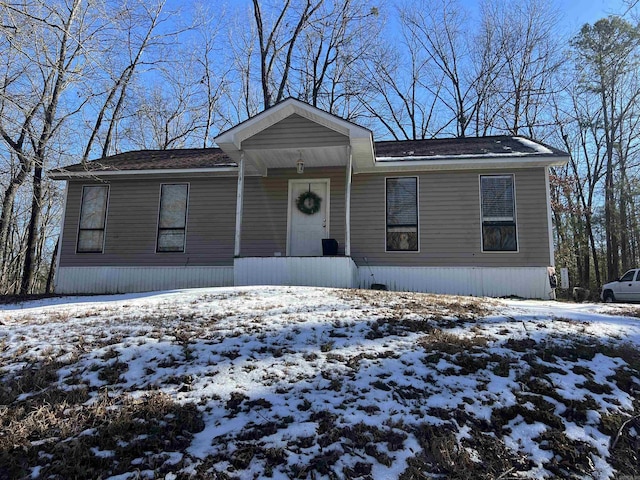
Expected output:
(347, 206)
(239, 204)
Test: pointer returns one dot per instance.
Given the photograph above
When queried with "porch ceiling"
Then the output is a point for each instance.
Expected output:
(333, 156)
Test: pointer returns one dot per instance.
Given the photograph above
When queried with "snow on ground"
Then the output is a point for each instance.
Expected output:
(320, 383)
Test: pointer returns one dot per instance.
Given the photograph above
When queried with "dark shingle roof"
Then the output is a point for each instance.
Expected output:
(461, 147)
(197, 158)
(157, 160)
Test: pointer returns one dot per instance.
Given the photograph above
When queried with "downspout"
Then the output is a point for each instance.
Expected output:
(347, 206)
(239, 204)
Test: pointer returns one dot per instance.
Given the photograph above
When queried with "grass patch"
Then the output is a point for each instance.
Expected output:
(77, 439)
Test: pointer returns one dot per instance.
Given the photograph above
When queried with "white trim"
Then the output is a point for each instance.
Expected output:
(410, 164)
(239, 206)
(64, 215)
(347, 206)
(515, 214)
(186, 217)
(552, 260)
(265, 119)
(399, 164)
(360, 138)
(77, 280)
(293, 181)
(336, 272)
(417, 215)
(106, 216)
(163, 171)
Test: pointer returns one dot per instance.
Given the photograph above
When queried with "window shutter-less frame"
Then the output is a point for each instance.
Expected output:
(172, 217)
(93, 212)
(499, 233)
(402, 214)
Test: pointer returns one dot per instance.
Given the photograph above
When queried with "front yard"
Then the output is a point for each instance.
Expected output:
(288, 382)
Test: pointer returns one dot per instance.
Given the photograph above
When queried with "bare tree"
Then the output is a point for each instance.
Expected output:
(439, 26)
(607, 61)
(527, 44)
(328, 69)
(277, 41)
(402, 99)
(50, 63)
(137, 22)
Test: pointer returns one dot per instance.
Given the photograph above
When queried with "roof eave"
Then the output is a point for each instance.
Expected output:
(407, 164)
(67, 175)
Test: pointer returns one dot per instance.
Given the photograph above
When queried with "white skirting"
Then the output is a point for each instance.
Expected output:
(525, 282)
(139, 279)
(338, 272)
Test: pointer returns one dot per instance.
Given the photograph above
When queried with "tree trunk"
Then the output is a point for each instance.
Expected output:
(6, 217)
(52, 268)
(32, 231)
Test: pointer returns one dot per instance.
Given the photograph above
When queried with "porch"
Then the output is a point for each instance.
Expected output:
(295, 165)
(337, 272)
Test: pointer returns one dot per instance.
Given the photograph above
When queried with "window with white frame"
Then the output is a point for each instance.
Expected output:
(498, 213)
(93, 212)
(172, 218)
(402, 214)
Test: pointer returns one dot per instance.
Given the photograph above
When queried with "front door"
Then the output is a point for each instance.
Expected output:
(308, 217)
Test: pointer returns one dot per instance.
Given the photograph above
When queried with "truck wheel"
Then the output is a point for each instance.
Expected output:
(608, 297)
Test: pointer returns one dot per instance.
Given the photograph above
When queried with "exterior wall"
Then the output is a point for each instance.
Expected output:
(132, 221)
(139, 279)
(264, 224)
(450, 259)
(294, 132)
(449, 221)
(525, 282)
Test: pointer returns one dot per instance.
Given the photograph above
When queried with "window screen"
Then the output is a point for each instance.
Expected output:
(172, 219)
(498, 213)
(402, 214)
(92, 219)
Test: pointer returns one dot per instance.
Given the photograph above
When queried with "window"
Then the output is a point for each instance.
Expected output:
(498, 213)
(628, 277)
(402, 214)
(172, 219)
(93, 212)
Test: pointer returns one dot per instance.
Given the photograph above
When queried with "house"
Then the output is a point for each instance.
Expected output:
(465, 216)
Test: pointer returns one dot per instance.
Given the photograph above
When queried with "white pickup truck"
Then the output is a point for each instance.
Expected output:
(627, 289)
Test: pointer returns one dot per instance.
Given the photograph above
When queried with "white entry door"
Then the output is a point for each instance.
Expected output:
(306, 229)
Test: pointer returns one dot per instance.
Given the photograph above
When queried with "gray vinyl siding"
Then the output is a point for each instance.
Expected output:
(264, 225)
(449, 221)
(295, 132)
(132, 221)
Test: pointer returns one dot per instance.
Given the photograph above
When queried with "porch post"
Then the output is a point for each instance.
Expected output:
(239, 202)
(347, 206)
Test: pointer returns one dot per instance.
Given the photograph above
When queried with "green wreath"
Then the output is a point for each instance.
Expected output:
(308, 202)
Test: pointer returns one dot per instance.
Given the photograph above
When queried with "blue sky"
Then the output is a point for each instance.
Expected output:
(579, 12)
(576, 12)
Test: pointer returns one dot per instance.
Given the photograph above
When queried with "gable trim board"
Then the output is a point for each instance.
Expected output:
(240, 205)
